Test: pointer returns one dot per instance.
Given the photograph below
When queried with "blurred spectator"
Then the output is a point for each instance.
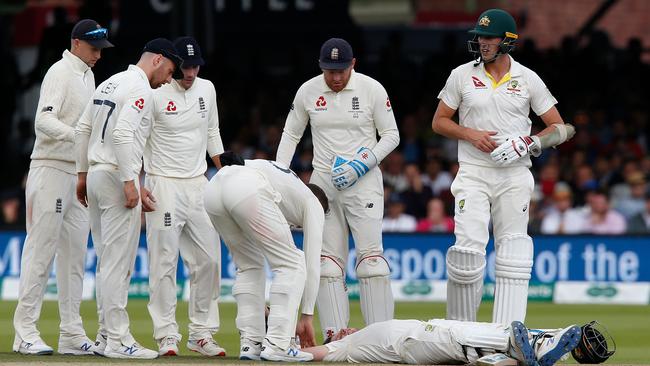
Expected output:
(395, 218)
(602, 219)
(583, 182)
(436, 178)
(561, 218)
(393, 171)
(436, 220)
(411, 143)
(633, 203)
(640, 223)
(417, 195)
(536, 211)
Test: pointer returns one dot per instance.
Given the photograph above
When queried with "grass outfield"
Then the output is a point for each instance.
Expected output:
(630, 326)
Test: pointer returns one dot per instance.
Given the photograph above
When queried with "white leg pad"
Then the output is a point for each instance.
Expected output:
(514, 263)
(332, 301)
(248, 292)
(377, 302)
(465, 271)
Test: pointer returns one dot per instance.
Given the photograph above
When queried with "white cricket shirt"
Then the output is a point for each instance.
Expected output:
(301, 209)
(504, 106)
(111, 129)
(185, 125)
(342, 122)
(65, 91)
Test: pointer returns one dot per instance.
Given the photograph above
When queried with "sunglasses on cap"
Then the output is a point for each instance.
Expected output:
(99, 33)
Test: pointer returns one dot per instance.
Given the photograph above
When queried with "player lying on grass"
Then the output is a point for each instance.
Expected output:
(445, 342)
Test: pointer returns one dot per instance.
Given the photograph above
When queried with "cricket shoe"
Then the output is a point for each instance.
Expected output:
(206, 347)
(78, 346)
(291, 354)
(36, 348)
(100, 344)
(250, 350)
(520, 348)
(168, 346)
(134, 351)
(551, 347)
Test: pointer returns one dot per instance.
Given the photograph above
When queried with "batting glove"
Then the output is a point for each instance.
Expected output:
(515, 148)
(345, 173)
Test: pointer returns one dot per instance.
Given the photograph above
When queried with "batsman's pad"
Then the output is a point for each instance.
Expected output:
(465, 270)
(332, 301)
(514, 263)
(596, 344)
(377, 302)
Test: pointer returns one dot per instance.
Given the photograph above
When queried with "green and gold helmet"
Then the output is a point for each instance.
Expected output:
(494, 23)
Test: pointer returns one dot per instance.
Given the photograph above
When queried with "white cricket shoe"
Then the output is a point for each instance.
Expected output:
(100, 344)
(291, 354)
(78, 346)
(520, 348)
(250, 350)
(135, 351)
(37, 348)
(550, 348)
(168, 346)
(206, 346)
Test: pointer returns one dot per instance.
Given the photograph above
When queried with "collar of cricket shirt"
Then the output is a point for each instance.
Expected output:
(77, 64)
(140, 72)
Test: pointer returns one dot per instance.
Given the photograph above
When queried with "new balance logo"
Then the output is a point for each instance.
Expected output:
(59, 205)
(370, 205)
(168, 219)
(86, 346)
(292, 352)
(202, 342)
(130, 350)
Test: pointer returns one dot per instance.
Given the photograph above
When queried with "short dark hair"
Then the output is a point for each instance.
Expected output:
(320, 194)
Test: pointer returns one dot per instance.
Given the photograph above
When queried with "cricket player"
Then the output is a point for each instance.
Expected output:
(185, 125)
(56, 222)
(346, 110)
(493, 96)
(447, 342)
(109, 144)
(252, 207)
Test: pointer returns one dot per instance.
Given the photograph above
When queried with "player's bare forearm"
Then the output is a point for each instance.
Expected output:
(82, 195)
(305, 331)
(319, 352)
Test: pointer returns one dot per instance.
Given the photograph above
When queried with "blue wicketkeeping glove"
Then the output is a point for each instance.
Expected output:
(345, 173)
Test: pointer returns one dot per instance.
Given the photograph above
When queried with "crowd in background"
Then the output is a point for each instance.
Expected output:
(595, 183)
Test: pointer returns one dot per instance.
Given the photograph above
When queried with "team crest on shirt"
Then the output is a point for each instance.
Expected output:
(321, 104)
(513, 87)
(355, 109)
(461, 206)
(203, 110)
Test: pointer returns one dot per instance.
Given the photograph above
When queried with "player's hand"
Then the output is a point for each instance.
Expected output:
(131, 194)
(482, 140)
(148, 200)
(515, 148)
(343, 333)
(345, 173)
(82, 194)
(305, 331)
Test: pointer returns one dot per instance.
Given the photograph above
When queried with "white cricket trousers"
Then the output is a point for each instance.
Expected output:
(244, 208)
(56, 224)
(116, 232)
(359, 209)
(180, 223)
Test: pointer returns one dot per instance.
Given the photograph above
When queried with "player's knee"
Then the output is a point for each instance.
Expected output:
(330, 268)
(373, 266)
(465, 265)
(514, 257)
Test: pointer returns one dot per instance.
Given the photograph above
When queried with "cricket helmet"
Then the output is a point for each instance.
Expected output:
(596, 344)
(494, 23)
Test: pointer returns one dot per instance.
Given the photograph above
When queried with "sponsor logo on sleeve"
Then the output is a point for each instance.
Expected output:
(138, 105)
(48, 108)
(389, 106)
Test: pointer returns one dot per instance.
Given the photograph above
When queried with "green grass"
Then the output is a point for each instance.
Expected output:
(629, 325)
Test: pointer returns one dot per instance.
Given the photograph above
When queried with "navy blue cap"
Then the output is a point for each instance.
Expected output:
(189, 50)
(166, 48)
(335, 54)
(90, 31)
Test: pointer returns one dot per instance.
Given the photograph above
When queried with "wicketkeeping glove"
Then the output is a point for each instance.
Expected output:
(515, 148)
(345, 173)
